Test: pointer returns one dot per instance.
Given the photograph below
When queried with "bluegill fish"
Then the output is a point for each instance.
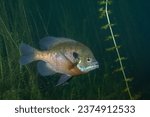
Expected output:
(59, 55)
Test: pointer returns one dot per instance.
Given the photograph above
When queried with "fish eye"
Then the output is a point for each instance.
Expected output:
(75, 55)
(88, 59)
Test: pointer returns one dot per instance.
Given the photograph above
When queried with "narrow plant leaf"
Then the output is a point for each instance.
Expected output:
(112, 48)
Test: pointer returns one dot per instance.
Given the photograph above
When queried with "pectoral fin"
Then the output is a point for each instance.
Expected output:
(44, 68)
(63, 79)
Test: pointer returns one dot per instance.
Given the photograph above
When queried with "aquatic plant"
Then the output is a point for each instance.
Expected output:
(14, 29)
(105, 14)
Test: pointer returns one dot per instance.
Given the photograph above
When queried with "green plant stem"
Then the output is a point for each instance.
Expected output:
(117, 51)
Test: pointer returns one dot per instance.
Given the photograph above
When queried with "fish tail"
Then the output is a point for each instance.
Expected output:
(28, 54)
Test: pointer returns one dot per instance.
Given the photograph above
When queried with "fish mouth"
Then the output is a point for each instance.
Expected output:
(93, 66)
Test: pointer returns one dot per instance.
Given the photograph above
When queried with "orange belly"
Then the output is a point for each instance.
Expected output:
(75, 71)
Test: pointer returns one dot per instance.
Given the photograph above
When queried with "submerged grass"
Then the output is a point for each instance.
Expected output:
(28, 21)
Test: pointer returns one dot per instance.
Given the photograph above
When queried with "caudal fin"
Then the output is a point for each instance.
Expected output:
(28, 54)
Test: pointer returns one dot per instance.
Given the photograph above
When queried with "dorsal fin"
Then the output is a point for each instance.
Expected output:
(49, 42)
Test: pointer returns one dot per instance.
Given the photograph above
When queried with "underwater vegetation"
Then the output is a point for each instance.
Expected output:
(30, 20)
(104, 13)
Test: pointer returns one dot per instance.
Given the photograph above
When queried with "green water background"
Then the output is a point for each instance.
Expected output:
(30, 20)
